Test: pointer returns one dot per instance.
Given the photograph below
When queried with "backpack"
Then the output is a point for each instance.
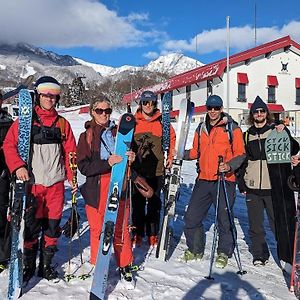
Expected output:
(60, 119)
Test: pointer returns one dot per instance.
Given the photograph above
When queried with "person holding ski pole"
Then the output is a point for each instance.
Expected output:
(218, 136)
(52, 140)
(95, 159)
(254, 181)
(150, 164)
(5, 122)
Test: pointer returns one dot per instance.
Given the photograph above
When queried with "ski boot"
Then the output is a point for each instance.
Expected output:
(29, 263)
(153, 240)
(127, 277)
(137, 241)
(221, 260)
(260, 261)
(3, 266)
(45, 269)
(188, 255)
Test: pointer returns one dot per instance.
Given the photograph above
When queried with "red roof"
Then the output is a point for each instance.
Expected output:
(213, 70)
(272, 107)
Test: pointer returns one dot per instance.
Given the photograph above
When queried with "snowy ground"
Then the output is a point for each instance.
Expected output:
(174, 279)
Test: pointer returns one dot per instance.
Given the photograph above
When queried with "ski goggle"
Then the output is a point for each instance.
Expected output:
(100, 111)
(216, 108)
(151, 103)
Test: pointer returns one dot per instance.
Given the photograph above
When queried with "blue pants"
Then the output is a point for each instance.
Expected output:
(203, 196)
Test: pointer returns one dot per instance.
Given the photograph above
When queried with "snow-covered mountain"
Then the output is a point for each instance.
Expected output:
(173, 63)
(21, 60)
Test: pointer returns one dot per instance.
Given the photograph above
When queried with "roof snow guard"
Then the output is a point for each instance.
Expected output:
(213, 70)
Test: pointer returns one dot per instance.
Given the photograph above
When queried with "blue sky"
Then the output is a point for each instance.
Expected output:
(119, 32)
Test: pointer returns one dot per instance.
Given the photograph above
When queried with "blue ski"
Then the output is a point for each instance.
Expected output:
(123, 142)
(19, 200)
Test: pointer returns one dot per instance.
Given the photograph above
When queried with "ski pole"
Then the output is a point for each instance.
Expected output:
(74, 214)
(233, 228)
(213, 248)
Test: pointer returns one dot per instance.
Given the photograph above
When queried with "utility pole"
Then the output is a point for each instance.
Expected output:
(227, 62)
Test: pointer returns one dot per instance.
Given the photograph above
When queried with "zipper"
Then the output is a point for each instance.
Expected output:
(260, 159)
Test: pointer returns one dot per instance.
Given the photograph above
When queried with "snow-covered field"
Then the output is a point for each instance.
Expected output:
(174, 279)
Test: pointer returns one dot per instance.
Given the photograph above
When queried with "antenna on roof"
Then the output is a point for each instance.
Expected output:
(255, 32)
(197, 50)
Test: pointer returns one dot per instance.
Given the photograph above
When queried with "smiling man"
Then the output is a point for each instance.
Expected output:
(255, 181)
(46, 172)
(212, 141)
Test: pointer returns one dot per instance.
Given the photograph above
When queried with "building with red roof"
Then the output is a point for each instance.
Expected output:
(271, 70)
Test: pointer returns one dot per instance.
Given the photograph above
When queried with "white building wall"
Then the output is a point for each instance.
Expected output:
(257, 70)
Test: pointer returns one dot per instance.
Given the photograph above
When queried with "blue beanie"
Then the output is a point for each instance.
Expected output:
(258, 103)
(214, 100)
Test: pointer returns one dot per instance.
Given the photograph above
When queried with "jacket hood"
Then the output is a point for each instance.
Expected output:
(139, 116)
(92, 123)
(45, 113)
(225, 118)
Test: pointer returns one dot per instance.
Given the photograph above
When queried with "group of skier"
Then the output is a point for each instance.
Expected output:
(219, 146)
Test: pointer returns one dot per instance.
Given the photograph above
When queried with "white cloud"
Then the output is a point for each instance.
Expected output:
(151, 55)
(241, 38)
(69, 23)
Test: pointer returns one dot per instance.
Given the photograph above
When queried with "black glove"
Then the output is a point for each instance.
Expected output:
(71, 226)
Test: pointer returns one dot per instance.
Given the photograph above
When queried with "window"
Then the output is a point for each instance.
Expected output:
(272, 82)
(242, 92)
(297, 85)
(297, 95)
(271, 94)
(242, 80)
(209, 88)
(188, 91)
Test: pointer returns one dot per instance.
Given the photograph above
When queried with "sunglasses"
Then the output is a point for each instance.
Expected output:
(216, 108)
(257, 111)
(152, 103)
(100, 111)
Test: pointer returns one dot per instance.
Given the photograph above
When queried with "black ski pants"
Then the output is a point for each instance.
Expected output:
(146, 212)
(256, 205)
(4, 225)
(203, 196)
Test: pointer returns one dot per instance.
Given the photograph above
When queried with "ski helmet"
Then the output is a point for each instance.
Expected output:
(214, 100)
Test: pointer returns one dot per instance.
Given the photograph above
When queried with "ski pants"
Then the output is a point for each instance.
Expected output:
(146, 212)
(4, 224)
(256, 205)
(203, 196)
(122, 240)
(47, 205)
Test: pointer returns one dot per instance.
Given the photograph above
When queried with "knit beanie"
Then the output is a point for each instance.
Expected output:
(258, 103)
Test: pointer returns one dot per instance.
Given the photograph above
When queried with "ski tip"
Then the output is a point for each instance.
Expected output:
(94, 297)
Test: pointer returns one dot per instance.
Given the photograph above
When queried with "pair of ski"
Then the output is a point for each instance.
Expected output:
(171, 191)
(123, 143)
